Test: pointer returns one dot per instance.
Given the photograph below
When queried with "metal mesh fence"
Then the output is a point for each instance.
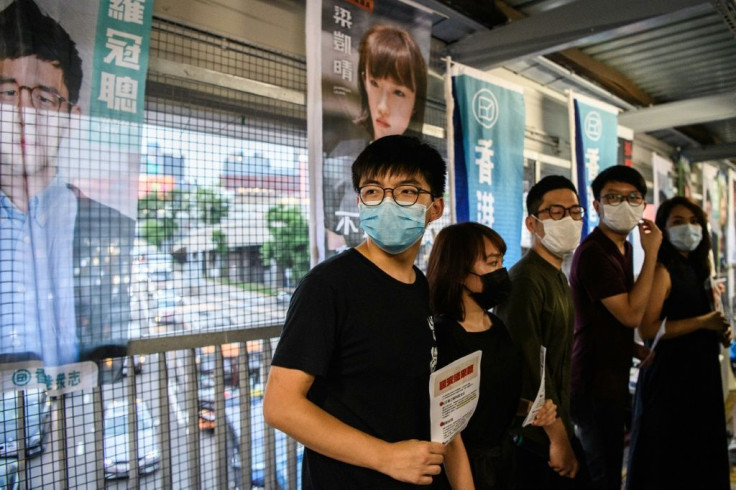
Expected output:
(220, 239)
(214, 245)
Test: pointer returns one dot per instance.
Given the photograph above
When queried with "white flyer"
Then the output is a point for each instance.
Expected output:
(453, 396)
(659, 335)
(539, 401)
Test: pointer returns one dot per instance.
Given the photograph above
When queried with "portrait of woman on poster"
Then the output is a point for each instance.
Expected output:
(392, 83)
(678, 437)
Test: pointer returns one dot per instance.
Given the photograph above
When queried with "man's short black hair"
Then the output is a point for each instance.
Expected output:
(535, 197)
(618, 173)
(26, 31)
(400, 154)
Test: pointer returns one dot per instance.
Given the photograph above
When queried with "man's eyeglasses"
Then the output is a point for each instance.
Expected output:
(403, 195)
(41, 97)
(635, 199)
(557, 212)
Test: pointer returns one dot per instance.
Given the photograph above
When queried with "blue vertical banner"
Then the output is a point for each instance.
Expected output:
(488, 143)
(595, 126)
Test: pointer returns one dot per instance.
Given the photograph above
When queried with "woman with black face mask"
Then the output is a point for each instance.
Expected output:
(466, 279)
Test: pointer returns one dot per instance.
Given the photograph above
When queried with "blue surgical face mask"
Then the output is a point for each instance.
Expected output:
(392, 227)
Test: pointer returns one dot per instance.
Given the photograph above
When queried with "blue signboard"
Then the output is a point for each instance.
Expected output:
(596, 129)
(488, 123)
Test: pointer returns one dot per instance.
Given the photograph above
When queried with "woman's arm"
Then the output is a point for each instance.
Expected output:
(711, 321)
(457, 465)
(660, 291)
(674, 328)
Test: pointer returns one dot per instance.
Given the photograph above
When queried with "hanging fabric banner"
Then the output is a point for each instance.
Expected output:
(121, 59)
(595, 126)
(663, 186)
(715, 206)
(488, 143)
(71, 106)
(367, 78)
(731, 238)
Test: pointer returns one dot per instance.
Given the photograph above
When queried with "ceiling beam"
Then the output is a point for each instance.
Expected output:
(681, 113)
(606, 76)
(562, 28)
(585, 65)
(714, 152)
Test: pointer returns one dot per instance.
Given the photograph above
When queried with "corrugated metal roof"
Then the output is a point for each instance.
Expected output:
(685, 54)
(679, 60)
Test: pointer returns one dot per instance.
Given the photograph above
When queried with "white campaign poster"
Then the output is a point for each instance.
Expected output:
(453, 396)
(731, 238)
(715, 206)
(367, 78)
(663, 186)
(65, 293)
(539, 401)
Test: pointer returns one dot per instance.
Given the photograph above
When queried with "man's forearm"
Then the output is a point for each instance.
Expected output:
(556, 432)
(287, 408)
(639, 294)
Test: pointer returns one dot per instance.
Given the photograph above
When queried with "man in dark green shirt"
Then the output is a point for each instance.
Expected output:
(540, 312)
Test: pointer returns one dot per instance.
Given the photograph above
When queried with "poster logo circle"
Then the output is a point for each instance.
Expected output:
(21, 377)
(485, 108)
(593, 126)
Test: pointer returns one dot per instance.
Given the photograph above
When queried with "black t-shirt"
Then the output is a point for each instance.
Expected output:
(367, 340)
(500, 377)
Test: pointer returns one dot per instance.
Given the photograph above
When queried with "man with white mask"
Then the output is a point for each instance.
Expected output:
(539, 312)
(609, 305)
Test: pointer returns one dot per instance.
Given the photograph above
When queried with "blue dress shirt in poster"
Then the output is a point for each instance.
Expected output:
(488, 124)
(68, 192)
(596, 140)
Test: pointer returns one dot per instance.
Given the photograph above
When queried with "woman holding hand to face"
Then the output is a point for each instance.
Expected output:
(678, 435)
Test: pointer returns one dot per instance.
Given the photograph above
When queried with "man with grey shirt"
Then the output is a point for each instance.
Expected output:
(539, 313)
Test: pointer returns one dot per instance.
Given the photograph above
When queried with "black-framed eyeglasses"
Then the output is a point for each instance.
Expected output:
(557, 212)
(635, 199)
(41, 97)
(403, 195)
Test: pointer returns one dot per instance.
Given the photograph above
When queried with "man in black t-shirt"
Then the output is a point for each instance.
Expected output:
(350, 376)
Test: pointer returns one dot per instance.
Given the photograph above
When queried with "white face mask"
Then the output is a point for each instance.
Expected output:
(685, 238)
(622, 218)
(561, 237)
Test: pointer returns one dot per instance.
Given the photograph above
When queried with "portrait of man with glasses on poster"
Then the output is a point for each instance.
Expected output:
(64, 258)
